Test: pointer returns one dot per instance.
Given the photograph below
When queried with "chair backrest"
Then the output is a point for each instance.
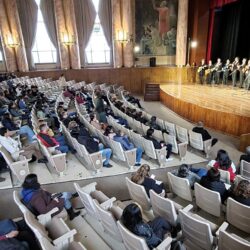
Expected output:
(131, 241)
(196, 232)
(170, 127)
(172, 140)
(163, 207)
(230, 242)
(182, 134)
(138, 194)
(37, 228)
(117, 150)
(87, 200)
(47, 245)
(245, 169)
(18, 202)
(195, 140)
(207, 200)
(149, 148)
(158, 135)
(108, 221)
(6, 155)
(180, 186)
(238, 215)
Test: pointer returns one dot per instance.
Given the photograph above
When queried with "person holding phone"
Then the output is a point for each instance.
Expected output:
(40, 201)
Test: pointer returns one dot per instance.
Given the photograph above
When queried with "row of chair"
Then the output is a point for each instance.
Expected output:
(181, 134)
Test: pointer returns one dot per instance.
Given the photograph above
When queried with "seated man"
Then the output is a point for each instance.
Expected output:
(246, 157)
(152, 123)
(92, 145)
(159, 145)
(9, 124)
(132, 99)
(127, 145)
(41, 202)
(69, 93)
(204, 133)
(12, 146)
(49, 141)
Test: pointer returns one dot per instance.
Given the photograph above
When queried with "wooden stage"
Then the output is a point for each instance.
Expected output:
(221, 108)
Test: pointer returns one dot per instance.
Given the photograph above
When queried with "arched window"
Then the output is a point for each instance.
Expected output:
(97, 51)
(43, 50)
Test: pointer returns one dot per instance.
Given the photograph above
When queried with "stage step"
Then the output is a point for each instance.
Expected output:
(152, 92)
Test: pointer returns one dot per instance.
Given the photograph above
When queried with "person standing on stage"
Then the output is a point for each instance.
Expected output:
(201, 71)
(225, 71)
(247, 76)
(217, 71)
(234, 70)
(209, 72)
(242, 69)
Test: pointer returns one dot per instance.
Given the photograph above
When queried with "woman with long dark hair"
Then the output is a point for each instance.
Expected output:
(153, 231)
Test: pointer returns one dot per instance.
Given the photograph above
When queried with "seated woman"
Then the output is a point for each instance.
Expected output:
(127, 145)
(223, 162)
(109, 132)
(41, 201)
(185, 172)
(241, 192)
(95, 123)
(152, 123)
(153, 231)
(142, 177)
(212, 181)
(159, 145)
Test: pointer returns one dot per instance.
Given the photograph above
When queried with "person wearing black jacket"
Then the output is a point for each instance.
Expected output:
(246, 157)
(158, 145)
(204, 133)
(212, 181)
(142, 177)
(153, 231)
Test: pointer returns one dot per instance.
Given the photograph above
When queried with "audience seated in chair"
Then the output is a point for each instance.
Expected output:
(223, 162)
(132, 99)
(57, 142)
(127, 145)
(204, 133)
(153, 231)
(16, 236)
(40, 201)
(95, 123)
(246, 157)
(158, 145)
(152, 123)
(142, 177)
(241, 192)
(185, 172)
(212, 181)
(12, 146)
(22, 130)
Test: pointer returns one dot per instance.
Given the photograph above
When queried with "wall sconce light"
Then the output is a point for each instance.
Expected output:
(193, 44)
(11, 42)
(68, 39)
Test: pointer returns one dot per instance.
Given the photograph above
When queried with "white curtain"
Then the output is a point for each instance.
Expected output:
(85, 18)
(48, 12)
(105, 15)
(28, 10)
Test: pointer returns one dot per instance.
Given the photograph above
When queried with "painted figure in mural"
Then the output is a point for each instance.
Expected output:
(163, 17)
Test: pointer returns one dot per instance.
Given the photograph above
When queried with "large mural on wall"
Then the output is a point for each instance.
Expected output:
(155, 27)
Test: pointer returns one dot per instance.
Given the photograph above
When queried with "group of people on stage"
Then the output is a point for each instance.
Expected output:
(212, 73)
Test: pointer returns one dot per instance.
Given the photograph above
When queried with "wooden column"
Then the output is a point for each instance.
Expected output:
(16, 30)
(70, 21)
(9, 53)
(127, 23)
(181, 39)
(61, 29)
(117, 25)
